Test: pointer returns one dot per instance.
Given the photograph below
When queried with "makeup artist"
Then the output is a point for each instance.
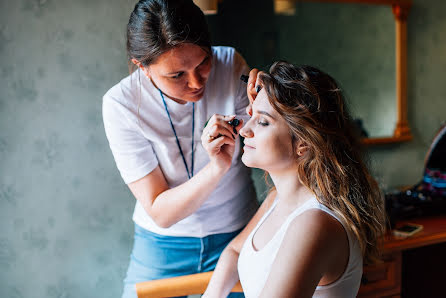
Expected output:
(193, 194)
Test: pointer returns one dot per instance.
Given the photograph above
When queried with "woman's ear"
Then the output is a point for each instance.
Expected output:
(301, 148)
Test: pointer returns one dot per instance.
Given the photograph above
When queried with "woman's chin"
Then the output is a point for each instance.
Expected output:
(247, 162)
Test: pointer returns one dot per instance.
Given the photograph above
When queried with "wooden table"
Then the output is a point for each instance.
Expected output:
(384, 279)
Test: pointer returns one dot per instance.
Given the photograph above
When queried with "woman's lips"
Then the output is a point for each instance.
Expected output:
(248, 147)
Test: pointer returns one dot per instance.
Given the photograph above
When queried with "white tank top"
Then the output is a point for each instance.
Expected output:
(254, 266)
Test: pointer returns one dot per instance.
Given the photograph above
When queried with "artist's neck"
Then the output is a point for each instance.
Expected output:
(180, 101)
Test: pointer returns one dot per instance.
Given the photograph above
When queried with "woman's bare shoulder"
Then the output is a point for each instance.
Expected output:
(316, 223)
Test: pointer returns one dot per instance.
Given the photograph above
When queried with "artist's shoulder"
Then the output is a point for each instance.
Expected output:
(226, 55)
(125, 91)
(223, 51)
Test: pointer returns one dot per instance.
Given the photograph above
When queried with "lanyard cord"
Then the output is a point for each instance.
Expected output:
(176, 137)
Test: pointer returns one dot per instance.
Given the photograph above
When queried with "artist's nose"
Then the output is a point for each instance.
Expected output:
(196, 80)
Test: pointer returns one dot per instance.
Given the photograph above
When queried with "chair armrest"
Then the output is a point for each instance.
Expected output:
(177, 286)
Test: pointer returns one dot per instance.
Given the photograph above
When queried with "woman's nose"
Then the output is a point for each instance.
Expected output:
(246, 131)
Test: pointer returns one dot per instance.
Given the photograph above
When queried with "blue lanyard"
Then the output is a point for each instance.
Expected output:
(176, 137)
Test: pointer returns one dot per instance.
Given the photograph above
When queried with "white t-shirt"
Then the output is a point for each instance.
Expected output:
(254, 266)
(141, 138)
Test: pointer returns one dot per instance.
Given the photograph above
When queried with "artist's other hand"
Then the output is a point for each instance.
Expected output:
(218, 140)
(253, 88)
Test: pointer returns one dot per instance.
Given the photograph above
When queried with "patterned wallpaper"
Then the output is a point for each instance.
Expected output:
(64, 210)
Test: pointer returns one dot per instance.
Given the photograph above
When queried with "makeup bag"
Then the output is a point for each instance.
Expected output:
(428, 197)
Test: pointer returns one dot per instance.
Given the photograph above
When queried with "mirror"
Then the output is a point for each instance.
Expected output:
(358, 43)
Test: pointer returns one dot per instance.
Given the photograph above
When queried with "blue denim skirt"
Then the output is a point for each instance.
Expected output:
(157, 256)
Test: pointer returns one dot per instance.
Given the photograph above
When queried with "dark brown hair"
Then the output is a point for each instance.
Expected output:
(333, 168)
(156, 26)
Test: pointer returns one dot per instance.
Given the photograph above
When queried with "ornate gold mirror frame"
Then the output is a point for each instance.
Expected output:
(400, 9)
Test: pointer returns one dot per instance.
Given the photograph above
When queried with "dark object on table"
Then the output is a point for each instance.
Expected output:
(428, 197)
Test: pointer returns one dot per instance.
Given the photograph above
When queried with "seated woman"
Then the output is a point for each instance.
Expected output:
(325, 213)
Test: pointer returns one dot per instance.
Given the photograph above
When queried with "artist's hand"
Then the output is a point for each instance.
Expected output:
(253, 88)
(218, 140)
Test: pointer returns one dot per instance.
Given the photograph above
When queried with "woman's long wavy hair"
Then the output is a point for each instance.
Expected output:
(313, 106)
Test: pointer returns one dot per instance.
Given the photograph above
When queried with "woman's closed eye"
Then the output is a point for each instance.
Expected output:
(262, 122)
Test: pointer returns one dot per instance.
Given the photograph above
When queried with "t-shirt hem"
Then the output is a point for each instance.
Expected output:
(201, 234)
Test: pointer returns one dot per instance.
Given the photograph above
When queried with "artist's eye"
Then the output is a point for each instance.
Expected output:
(178, 75)
(205, 61)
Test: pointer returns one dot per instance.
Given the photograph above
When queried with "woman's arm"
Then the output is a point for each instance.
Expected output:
(225, 274)
(167, 206)
(315, 249)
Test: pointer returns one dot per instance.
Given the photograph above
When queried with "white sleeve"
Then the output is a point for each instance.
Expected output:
(241, 98)
(133, 153)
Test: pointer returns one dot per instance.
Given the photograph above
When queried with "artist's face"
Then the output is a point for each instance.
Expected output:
(182, 72)
(268, 143)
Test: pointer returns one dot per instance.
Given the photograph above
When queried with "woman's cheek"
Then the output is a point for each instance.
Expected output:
(284, 149)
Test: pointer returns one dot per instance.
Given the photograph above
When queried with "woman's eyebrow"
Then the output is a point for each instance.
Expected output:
(265, 113)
